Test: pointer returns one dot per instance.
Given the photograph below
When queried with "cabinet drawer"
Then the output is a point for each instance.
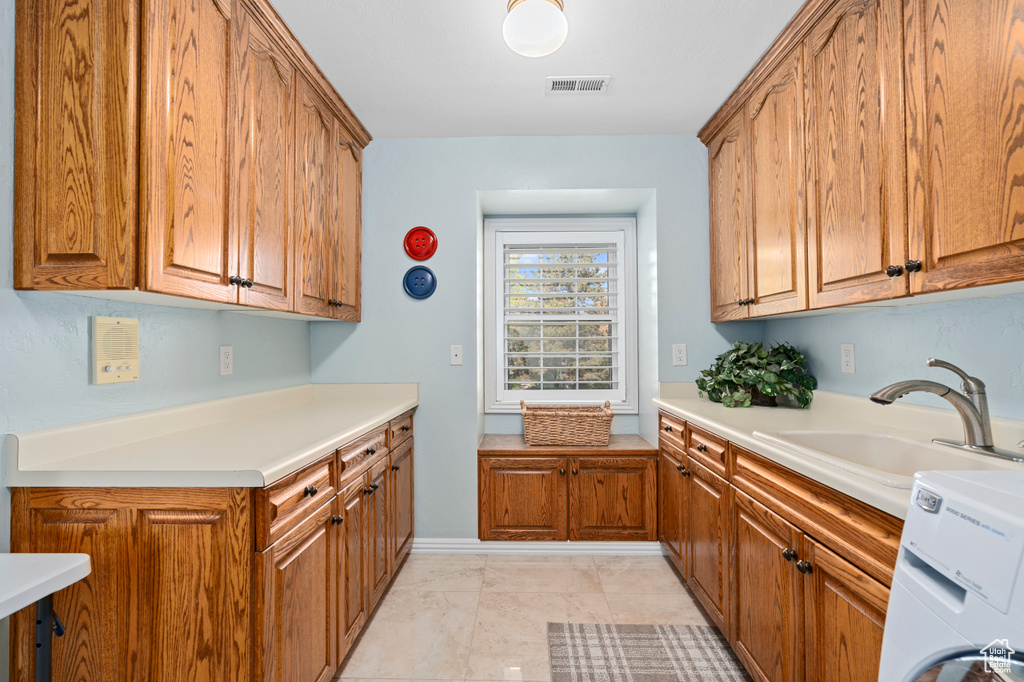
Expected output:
(400, 429)
(673, 430)
(285, 504)
(355, 457)
(708, 449)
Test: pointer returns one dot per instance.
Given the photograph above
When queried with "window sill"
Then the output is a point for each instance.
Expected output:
(515, 408)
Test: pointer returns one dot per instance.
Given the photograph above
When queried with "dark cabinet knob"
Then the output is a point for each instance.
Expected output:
(894, 271)
(248, 283)
(789, 554)
(668, 428)
(310, 491)
(686, 472)
(405, 427)
(367, 491)
(742, 302)
(804, 567)
(235, 280)
(913, 266)
(561, 472)
(395, 467)
(337, 520)
(575, 472)
(679, 467)
(371, 451)
(374, 486)
(701, 447)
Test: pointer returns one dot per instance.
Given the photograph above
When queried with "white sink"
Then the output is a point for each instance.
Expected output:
(882, 458)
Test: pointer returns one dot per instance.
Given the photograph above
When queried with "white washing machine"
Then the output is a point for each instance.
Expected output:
(956, 611)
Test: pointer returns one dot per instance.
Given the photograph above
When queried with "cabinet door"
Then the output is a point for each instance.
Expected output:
(76, 149)
(671, 496)
(348, 225)
(856, 213)
(777, 237)
(523, 498)
(965, 160)
(266, 89)
(379, 533)
(352, 581)
(845, 615)
(709, 545)
(295, 614)
(727, 171)
(402, 502)
(767, 602)
(314, 187)
(189, 243)
(613, 498)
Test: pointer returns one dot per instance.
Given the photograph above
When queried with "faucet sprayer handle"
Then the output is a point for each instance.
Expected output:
(970, 384)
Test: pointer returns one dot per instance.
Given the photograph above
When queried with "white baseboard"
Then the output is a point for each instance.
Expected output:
(474, 546)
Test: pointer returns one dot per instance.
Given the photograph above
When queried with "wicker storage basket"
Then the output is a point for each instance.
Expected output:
(566, 424)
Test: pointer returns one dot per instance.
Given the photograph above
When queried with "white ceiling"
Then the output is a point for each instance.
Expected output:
(439, 68)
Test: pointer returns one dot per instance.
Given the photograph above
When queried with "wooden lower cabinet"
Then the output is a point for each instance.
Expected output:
(168, 595)
(613, 498)
(220, 584)
(296, 580)
(845, 615)
(709, 497)
(767, 600)
(523, 498)
(671, 505)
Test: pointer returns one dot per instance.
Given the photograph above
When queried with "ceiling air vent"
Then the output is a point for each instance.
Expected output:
(577, 85)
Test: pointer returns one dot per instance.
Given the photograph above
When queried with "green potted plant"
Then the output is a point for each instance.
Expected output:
(750, 374)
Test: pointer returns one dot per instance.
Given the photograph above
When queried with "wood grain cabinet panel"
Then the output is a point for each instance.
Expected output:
(402, 513)
(727, 170)
(845, 616)
(673, 507)
(346, 270)
(777, 236)
(523, 498)
(767, 600)
(297, 579)
(378, 528)
(76, 155)
(266, 96)
(613, 498)
(314, 190)
(354, 604)
(856, 159)
(708, 535)
(189, 238)
(965, 142)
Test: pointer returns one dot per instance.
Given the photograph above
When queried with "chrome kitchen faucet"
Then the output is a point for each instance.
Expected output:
(971, 405)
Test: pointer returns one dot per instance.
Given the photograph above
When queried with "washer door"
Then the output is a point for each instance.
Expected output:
(972, 666)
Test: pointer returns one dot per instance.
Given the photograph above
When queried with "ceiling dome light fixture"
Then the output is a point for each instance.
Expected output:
(535, 28)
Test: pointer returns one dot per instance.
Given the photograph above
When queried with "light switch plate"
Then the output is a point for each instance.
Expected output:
(227, 360)
(847, 360)
(456, 356)
(678, 354)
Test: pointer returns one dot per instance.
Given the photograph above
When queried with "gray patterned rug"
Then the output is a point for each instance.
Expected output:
(641, 653)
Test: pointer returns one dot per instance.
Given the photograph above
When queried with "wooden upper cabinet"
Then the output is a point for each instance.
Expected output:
(613, 498)
(856, 154)
(965, 155)
(845, 616)
(727, 173)
(76, 134)
(777, 236)
(266, 88)
(314, 201)
(346, 268)
(189, 243)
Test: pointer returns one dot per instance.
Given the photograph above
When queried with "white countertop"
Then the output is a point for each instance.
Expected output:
(834, 412)
(30, 577)
(244, 441)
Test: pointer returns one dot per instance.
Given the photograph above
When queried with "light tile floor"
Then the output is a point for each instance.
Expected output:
(451, 617)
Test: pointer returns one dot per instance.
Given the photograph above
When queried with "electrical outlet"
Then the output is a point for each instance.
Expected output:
(678, 354)
(227, 360)
(456, 358)
(847, 358)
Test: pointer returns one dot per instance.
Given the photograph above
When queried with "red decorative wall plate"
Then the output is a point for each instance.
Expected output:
(420, 243)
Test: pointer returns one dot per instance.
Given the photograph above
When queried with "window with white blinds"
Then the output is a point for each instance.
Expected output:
(563, 310)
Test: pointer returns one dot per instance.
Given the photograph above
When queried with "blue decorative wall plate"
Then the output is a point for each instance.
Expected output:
(420, 282)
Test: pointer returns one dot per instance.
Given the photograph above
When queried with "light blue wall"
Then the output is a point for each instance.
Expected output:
(44, 340)
(435, 183)
(984, 336)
